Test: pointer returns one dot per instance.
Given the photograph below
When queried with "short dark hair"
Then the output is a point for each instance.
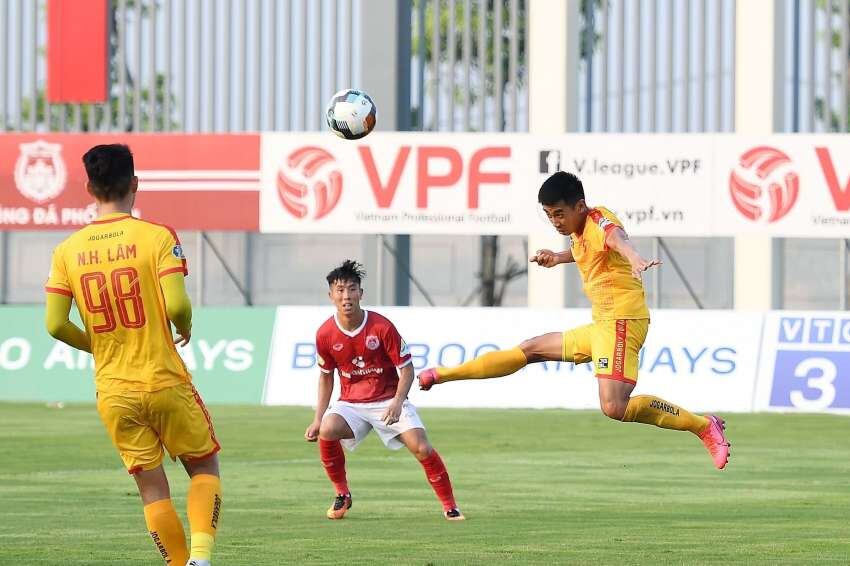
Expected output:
(561, 186)
(350, 270)
(110, 171)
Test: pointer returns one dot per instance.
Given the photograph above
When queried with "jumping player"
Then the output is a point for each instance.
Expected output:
(126, 276)
(610, 268)
(376, 372)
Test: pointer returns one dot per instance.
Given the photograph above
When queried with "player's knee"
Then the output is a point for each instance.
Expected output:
(422, 450)
(327, 432)
(152, 487)
(614, 409)
(153, 494)
(207, 466)
(532, 350)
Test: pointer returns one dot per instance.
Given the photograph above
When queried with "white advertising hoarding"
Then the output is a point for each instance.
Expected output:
(703, 360)
(805, 362)
(783, 185)
(423, 183)
(658, 185)
(397, 183)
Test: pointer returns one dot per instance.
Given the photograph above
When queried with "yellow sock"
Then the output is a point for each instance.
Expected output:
(491, 364)
(204, 506)
(166, 531)
(648, 409)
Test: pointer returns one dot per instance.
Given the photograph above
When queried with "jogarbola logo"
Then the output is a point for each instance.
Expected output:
(40, 173)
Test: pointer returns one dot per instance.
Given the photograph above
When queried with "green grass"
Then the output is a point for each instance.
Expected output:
(537, 487)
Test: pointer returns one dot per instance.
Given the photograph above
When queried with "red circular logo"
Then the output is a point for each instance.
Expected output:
(763, 185)
(309, 183)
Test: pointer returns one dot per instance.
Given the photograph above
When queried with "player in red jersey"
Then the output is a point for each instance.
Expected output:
(376, 373)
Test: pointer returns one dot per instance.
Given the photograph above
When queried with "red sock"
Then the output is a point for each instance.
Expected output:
(333, 459)
(438, 477)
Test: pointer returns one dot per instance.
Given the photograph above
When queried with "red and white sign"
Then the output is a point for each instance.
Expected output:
(783, 185)
(765, 185)
(397, 183)
(190, 182)
(429, 183)
(479, 184)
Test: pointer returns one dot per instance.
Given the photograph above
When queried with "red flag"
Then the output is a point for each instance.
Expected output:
(77, 51)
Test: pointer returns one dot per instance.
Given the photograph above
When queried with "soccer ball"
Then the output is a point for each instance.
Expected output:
(351, 114)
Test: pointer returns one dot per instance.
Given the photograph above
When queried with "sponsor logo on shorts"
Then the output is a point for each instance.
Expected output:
(372, 342)
(620, 348)
(662, 406)
(602, 363)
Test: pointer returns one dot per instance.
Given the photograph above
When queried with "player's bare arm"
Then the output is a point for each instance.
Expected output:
(326, 387)
(58, 307)
(618, 240)
(548, 258)
(405, 380)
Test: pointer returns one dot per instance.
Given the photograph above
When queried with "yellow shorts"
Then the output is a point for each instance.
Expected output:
(141, 423)
(612, 345)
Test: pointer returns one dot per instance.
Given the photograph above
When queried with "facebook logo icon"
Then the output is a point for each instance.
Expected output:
(550, 161)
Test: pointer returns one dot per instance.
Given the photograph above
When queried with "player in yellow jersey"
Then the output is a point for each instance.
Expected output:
(126, 276)
(610, 268)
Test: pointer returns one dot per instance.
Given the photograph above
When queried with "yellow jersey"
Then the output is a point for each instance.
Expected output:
(111, 268)
(614, 292)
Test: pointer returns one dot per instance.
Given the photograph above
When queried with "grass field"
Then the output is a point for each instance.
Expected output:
(544, 487)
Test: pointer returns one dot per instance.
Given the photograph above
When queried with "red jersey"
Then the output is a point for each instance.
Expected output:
(367, 358)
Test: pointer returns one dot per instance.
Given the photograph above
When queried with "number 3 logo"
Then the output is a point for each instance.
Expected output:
(823, 383)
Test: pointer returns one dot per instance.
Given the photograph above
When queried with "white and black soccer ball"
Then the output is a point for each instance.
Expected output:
(351, 114)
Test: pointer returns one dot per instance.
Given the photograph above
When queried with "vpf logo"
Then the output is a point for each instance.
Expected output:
(40, 172)
(763, 185)
(309, 183)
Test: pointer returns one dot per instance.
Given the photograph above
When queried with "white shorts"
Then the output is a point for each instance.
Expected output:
(363, 417)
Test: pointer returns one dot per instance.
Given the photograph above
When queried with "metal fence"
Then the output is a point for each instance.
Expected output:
(469, 62)
(470, 73)
(817, 56)
(663, 66)
(190, 65)
(194, 66)
(657, 66)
